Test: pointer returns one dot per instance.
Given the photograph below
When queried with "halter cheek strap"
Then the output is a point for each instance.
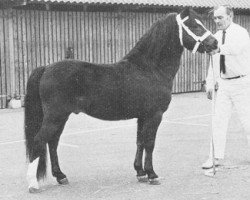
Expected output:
(180, 22)
(198, 39)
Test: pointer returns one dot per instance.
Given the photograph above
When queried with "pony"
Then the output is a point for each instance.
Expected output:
(138, 86)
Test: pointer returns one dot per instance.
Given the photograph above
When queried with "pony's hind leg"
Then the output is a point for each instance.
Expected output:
(37, 167)
(53, 144)
(141, 174)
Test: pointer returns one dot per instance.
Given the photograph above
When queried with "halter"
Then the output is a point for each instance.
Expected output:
(198, 39)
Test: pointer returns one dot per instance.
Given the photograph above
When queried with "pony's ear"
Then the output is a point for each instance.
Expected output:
(185, 12)
(189, 12)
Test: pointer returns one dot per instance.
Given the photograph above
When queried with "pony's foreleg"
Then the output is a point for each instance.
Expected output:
(150, 128)
(141, 174)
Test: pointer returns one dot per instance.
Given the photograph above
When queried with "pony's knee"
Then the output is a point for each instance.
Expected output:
(149, 146)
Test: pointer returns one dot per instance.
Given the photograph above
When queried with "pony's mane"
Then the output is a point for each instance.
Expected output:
(157, 41)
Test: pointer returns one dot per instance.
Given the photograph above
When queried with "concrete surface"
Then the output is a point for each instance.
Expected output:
(97, 157)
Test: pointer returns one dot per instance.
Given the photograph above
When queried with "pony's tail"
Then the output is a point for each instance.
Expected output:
(33, 117)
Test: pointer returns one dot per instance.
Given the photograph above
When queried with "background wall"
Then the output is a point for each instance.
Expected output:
(30, 38)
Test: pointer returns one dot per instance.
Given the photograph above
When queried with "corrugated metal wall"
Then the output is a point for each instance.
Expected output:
(43, 37)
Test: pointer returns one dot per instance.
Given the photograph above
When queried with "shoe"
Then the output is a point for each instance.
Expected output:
(209, 163)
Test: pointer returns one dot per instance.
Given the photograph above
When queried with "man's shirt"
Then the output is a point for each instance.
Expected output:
(237, 54)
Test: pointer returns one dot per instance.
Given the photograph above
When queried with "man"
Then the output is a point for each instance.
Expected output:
(231, 66)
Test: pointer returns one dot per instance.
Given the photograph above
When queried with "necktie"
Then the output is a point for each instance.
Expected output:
(222, 57)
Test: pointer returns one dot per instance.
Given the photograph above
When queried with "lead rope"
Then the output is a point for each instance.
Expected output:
(213, 112)
(211, 172)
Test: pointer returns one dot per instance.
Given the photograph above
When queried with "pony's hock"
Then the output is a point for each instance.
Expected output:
(138, 86)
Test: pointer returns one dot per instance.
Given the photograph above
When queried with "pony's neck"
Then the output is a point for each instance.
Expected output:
(159, 48)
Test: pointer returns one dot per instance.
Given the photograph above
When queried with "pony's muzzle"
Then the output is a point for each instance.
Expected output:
(212, 45)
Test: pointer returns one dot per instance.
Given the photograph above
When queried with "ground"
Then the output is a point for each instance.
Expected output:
(97, 157)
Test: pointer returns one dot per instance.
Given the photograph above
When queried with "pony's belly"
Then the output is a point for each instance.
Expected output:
(105, 110)
(117, 107)
(110, 117)
(111, 113)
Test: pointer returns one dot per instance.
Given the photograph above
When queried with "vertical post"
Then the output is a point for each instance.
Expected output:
(14, 103)
(11, 53)
(121, 34)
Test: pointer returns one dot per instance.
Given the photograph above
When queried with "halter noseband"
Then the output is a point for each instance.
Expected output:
(198, 39)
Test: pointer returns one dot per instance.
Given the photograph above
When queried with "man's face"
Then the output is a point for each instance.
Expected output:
(222, 19)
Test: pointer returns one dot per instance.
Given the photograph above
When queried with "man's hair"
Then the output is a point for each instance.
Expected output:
(229, 9)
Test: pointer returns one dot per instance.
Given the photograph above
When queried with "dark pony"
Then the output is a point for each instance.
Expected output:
(138, 86)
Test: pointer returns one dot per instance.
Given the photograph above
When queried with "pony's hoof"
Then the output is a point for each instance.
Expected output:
(63, 181)
(34, 190)
(142, 179)
(154, 181)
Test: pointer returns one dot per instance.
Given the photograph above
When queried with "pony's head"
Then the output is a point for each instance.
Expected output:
(193, 34)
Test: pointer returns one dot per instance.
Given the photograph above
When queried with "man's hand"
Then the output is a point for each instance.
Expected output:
(210, 91)
(215, 51)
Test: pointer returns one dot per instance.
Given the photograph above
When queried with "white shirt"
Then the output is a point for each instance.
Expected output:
(237, 54)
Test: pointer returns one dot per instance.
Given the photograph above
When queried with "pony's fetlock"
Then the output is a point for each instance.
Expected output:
(141, 176)
(151, 174)
(141, 173)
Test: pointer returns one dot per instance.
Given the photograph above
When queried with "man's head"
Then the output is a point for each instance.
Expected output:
(223, 16)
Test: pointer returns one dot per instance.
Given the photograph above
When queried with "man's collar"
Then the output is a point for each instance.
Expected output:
(229, 27)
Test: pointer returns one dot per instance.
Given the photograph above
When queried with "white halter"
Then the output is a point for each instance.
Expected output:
(198, 39)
